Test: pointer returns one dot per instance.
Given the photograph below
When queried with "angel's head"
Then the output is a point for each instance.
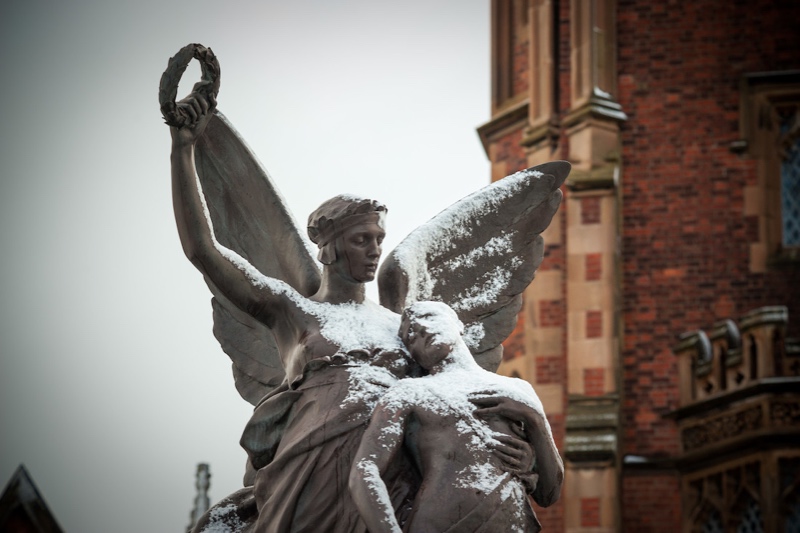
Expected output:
(431, 331)
(349, 232)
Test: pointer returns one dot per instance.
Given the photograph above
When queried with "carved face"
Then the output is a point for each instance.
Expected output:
(422, 342)
(358, 252)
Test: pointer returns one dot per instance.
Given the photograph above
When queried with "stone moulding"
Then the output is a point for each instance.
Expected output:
(592, 427)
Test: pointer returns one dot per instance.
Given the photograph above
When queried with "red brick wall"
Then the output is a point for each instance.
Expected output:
(508, 150)
(685, 248)
(656, 498)
(685, 242)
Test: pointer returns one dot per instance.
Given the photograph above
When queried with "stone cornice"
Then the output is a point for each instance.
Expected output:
(592, 426)
(773, 385)
(513, 117)
(599, 107)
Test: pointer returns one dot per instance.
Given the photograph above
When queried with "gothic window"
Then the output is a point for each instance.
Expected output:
(726, 499)
(740, 496)
(789, 144)
(722, 354)
(713, 524)
(749, 519)
(790, 493)
(770, 127)
(753, 358)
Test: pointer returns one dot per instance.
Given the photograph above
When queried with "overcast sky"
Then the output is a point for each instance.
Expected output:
(112, 386)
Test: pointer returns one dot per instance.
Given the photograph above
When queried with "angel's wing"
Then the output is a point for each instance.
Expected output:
(250, 217)
(478, 256)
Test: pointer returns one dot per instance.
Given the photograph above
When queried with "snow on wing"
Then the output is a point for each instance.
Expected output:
(478, 256)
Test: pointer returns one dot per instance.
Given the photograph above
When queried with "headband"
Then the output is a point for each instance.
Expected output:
(335, 228)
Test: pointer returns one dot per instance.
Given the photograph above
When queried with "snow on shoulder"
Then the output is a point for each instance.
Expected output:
(460, 379)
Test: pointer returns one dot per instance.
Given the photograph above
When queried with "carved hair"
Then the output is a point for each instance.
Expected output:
(336, 215)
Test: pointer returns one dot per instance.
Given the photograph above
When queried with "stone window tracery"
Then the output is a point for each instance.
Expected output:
(789, 149)
(770, 129)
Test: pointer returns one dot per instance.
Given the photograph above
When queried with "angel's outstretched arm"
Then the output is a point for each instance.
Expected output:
(228, 273)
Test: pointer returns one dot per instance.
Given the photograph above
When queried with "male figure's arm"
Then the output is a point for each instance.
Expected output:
(379, 447)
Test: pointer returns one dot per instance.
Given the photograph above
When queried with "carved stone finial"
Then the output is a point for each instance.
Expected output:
(201, 501)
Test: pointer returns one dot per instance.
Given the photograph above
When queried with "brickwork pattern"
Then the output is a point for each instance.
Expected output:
(594, 267)
(590, 210)
(590, 512)
(507, 151)
(514, 345)
(594, 324)
(651, 503)
(549, 369)
(554, 256)
(685, 239)
(551, 313)
(594, 381)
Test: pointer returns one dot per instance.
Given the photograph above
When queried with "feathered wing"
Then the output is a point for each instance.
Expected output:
(478, 256)
(250, 217)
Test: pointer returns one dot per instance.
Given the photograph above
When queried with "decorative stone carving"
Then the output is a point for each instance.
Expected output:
(315, 356)
(722, 428)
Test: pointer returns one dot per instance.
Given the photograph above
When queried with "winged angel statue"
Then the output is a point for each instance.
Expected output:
(309, 350)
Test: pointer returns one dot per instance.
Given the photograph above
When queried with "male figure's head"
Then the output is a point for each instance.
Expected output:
(430, 331)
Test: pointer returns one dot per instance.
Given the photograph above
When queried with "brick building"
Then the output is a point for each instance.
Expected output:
(659, 330)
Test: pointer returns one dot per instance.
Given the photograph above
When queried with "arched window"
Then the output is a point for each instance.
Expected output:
(753, 357)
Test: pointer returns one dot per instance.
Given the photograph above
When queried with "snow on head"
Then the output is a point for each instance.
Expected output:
(349, 197)
(437, 319)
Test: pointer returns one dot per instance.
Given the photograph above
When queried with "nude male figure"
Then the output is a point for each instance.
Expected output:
(466, 486)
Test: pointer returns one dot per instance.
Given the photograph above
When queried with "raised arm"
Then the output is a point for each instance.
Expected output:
(379, 447)
(230, 273)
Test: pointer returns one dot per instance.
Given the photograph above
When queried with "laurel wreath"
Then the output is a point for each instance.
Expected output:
(168, 88)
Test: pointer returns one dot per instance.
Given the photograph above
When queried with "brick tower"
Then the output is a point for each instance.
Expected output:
(659, 329)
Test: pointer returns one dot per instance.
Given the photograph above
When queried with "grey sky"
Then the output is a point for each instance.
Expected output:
(112, 386)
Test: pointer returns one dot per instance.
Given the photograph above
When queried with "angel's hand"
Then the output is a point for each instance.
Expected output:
(516, 455)
(502, 406)
(515, 452)
(198, 107)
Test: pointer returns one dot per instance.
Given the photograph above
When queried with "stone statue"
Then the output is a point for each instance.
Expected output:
(465, 486)
(309, 350)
